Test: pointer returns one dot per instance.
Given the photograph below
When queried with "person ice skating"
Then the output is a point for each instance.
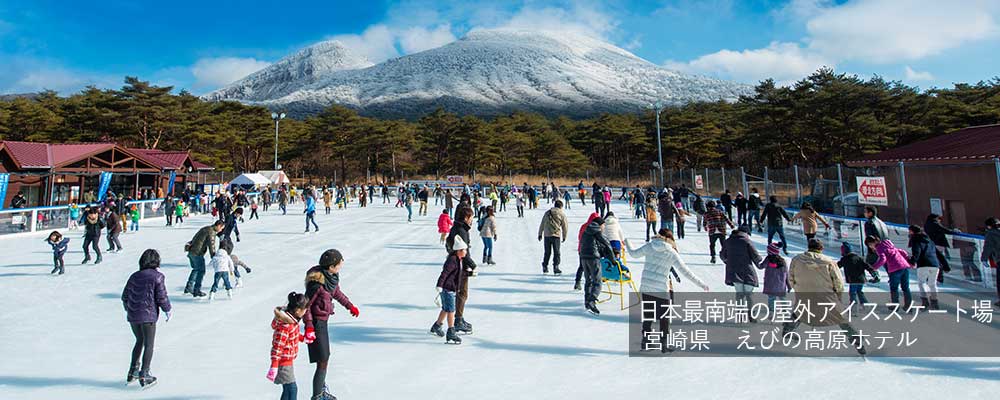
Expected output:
(92, 226)
(168, 209)
(855, 267)
(810, 220)
(285, 344)
(593, 246)
(463, 221)
(936, 231)
(753, 209)
(715, 224)
(991, 250)
(283, 201)
(134, 217)
(237, 263)
(488, 233)
(698, 206)
(741, 260)
(59, 246)
(253, 210)
(662, 262)
(520, 204)
(310, 212)
(74, 216)
(817, 283)
(179, 212)
(726, 201)
(923, 255)
(327, 200)
(775, 216)
(665, 206)
(406, 198)
(222, 264)
(145, 295)
(447, 286)
(552, 231)
(740, 203)
(896, 264)
(680, 217)
(322, 288)
(113, 223)
(231, 225)
(422, 196)
(651, 217)
(776, 285)
(444, 224)
(203, 242)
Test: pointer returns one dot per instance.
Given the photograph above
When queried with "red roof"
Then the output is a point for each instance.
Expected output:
(169, 159)
(968, 145)
(28, 154)
(33, 155)
(62, 154)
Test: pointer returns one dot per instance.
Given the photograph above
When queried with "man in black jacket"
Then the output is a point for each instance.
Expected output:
(776, 217)
(93, 224)
(230, 226)
(463, 222)
(593, 246)
(727, 203)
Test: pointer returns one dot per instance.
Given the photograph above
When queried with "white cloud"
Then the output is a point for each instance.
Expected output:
(377, 42)
(785, 62)
(580, 19)
(23, 74)
(865, 31)
(886, 31)
(418, 38)
(912, 75)
(220, 71)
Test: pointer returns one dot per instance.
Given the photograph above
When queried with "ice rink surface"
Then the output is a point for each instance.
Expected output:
(65, 337)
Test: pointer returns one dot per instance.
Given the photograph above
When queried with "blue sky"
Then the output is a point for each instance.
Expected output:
(200, 46)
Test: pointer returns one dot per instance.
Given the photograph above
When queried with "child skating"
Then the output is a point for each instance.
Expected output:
(285, 344)
(447, 285)
(444, 225)
(222, 263)
(59, 245)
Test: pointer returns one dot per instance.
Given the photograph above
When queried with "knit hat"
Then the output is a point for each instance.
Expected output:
(459, 244)
(845, 249)
(774, 248)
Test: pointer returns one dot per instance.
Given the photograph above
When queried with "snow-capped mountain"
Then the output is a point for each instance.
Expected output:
(304, 68)
(487, 72)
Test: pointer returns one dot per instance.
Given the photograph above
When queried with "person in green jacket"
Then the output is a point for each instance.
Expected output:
(179, 213)
(134, 215)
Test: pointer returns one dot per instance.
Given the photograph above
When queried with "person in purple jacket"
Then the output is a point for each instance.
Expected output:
(144, 296)
(322, 288)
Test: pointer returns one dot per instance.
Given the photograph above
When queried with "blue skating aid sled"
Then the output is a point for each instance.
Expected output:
(615, 279)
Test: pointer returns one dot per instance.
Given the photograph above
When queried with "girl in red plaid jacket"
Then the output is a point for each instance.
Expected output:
(285, 344)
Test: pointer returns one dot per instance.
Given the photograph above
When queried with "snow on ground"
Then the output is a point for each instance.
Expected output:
(66, 337)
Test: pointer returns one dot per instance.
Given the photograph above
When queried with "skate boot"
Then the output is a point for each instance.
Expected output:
(98, 261)
(491, 261)
(146, 380)
(229, 293)
(133, 375)
(436, 330)
(211, 296)
(925, 303)
(187, 290)
(713, 260)
(54, 270)
(85, 260)
(463, 326)
(935, 305)
(545, 269)
(592, 308)
(556, 271)
(239, 282)
(452, 337)
(577, 286)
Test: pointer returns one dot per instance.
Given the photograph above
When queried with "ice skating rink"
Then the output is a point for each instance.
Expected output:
(65, 337)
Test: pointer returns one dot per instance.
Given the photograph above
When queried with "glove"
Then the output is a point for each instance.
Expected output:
(167, 316)
(237, 238)
(354, 311)
(310, 335)
(539, 238)
(272, 373)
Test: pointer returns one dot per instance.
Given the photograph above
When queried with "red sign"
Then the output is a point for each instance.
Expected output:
(456, 179)
(698, 182)
(871, 190)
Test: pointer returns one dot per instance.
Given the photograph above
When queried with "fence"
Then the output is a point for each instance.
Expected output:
(27, 220)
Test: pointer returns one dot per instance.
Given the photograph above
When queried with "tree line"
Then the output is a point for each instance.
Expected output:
(825, 118)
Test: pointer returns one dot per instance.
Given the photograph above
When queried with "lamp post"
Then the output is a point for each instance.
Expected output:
(658, 108)
(277, 118)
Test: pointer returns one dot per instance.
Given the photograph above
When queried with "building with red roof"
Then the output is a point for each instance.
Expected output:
(62, 173)
(955, 175)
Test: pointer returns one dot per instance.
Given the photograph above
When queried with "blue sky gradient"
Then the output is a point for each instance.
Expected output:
(200, 46)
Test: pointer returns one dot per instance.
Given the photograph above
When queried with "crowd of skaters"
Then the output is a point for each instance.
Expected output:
(600, 238)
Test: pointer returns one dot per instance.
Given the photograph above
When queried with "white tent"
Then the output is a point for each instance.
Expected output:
(276, 177)
(255, 180)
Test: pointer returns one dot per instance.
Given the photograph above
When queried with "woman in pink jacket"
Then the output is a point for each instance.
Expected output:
(444, 225)
(897, 264)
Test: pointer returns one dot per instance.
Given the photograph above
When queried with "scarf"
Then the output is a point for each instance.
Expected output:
(330, 280)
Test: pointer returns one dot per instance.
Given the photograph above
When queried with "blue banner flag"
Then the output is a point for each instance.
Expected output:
(105, 183)
(4, 179)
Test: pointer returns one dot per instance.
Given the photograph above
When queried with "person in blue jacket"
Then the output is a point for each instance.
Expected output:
(311, 211)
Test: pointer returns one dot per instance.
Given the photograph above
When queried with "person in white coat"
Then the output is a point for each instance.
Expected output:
(223, 265)
(612, 230)
(656, 287)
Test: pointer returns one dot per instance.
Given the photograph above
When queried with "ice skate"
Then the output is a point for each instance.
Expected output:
(436, 329)
(452, 337)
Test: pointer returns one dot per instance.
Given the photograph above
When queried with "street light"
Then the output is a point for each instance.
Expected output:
(658, 108)
(277, 118)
